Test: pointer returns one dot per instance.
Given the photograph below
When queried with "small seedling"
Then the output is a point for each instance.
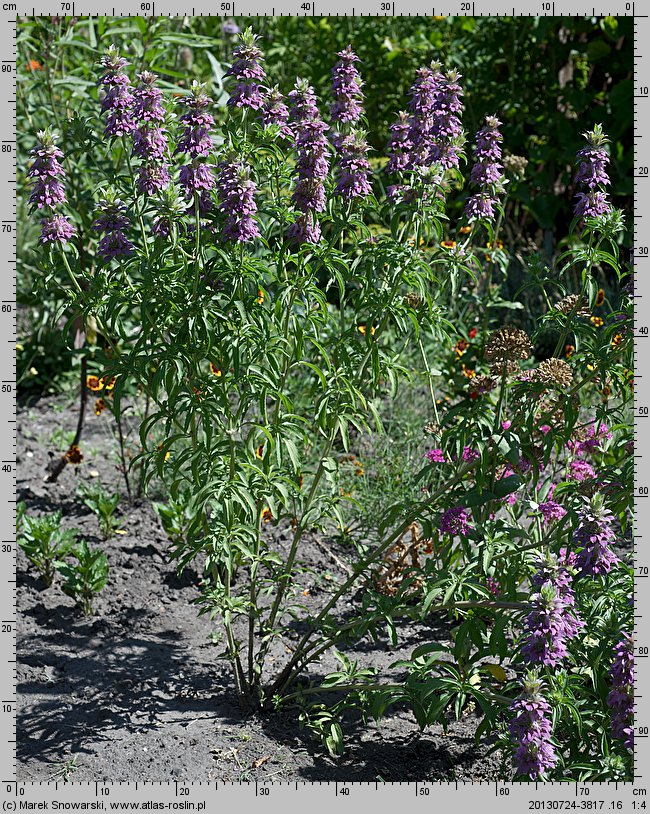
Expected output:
(86, 577)
(103, 505)
(45, 543)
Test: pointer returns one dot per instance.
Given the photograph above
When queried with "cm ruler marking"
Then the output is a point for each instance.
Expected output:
(320, 797)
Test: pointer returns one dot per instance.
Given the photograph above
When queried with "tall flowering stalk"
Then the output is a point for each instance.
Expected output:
(196, 178)
(236, 192)
(422, 110)
(247, 73)
(275, 112)
(312, 164)
(553, 620)
(486, 173)
(621, 697)
(149, 138)
(347, 107)
(47, 177)
(447, 128)
(117, 99)
(354, 168)
(111, 221)
(592, 174)
(594, 536)
(530, 730)
(400, 143)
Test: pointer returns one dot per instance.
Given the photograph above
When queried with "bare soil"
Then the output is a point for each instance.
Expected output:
(136, 692)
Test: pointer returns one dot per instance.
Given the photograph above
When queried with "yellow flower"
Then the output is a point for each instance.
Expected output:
(616, 340)
(259, 452)
(569, 350)
(93, 383)
(468, 372)
(597, 321)
(448, 244)
(362, 330)
(260, 296)
(465, 230)
(214, 369)
(267, 515)
(499, 244)
(74, 455)
(600, 297)
(100, 406)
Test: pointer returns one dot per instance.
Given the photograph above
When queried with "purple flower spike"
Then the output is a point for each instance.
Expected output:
(196, 177)
(115, 244)
(152, 178)
(621, 697)
(346, 89)
(57, 228)
(354, 168)
(236, 193)
(248, 73)
(147, 99)
(594, 535)
(306, 229)
(530, 730)
(592, 174)
(551, 511)
(455, 521)
(275, 112)
(118, 99)
(487, 172)
(112, 220)
(400, 144)
(195, 139)
(46, 172)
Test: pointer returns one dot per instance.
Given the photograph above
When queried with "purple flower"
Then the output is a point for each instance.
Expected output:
(455, 521)
(114, 244)
(594, 535)
(305, 229)
(170, 208)
(196, 177)
(248, 73)
(435, 456)
(493, 585)
(486, 173)
(46, 172)
(447, 129)
(346, 88)
(195, 139)
(422, 108)
(275, 112)
(147, 99)
(230, 28)
(530, 730)
(470, 454)
(149, 142)
(621, 697)
(594, 440)
(118, 99)
(152, 178)
(592, 174)
(353, 167)
(236, 194)
(312, 163)
(56, 228)
(551, 510)
(400, 144)
(580, 470)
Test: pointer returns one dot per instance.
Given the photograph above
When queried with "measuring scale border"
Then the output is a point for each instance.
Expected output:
(485, 795)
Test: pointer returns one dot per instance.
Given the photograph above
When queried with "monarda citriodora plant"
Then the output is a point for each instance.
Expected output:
(267, 287)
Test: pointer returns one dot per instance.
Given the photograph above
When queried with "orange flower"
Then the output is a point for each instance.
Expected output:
(214, 369)
(260, 296)
(266, 515)
(74, 455)
(448, 244)
(472, 333)
(100, 406)
(569, 350)
(597, 321)
(600, 297)
(33, 65)
(93, 383)
(362, 330)
(465, 230)
(468, 372)
(306, 592)
(461, 347)
(499, 244)
(197, 393)
(358, 470)
(616, 340)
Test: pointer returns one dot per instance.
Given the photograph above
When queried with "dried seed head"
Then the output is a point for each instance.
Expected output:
(413, 300)
(555, 372)
(481, 384)
(508, 344)
(504, 368)
(573, 304)
(515, 165)
(432, 428)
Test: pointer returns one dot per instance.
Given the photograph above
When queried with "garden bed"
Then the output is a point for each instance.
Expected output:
(137, 692)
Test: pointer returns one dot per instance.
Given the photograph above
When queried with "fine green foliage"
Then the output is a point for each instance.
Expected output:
(85, 576)
(45, 543)
(103, 506)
